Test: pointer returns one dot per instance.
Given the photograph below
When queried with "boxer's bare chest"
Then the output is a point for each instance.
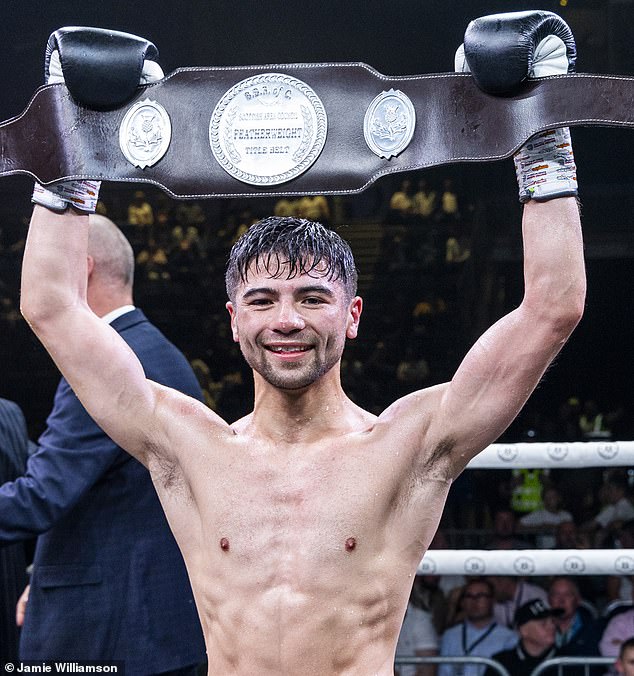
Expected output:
(325, 497)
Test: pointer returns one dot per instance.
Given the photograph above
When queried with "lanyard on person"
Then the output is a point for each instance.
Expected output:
(467, 651)
(514, 605)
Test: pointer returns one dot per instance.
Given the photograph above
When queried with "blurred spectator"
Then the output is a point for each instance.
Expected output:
(478, 635)
(188, 234)
(511, 593)
(418, 636)
(457, 249)
(576, 627)
(427, 314)
(424, 202)
(535, 625)
(140, 211)
(568, 536)
(285, 207)
(618, 509)
(526, 490)
(401, 204)
(504, 532)
(314, 208)
(593, 423)
(542, 522)
(152, 262)
(625, 661)
(189, 214)
(619, 629)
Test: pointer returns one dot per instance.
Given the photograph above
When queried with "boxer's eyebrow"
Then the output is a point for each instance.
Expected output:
(310, 288)
(255, 291)
(316, 288)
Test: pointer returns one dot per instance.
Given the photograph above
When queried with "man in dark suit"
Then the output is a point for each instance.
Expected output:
(108, 579)
(13, 454)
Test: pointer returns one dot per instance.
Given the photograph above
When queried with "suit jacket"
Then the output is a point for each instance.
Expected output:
(108, 579)
(13, 578)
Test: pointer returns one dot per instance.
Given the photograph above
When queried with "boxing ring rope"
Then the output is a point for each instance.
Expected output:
(549, 455)
(546, 455)
(528, 562)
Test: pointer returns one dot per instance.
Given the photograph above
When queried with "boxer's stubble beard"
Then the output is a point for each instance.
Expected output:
(295, 375)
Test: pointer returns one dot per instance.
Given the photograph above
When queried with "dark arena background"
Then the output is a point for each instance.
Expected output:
(430, 287)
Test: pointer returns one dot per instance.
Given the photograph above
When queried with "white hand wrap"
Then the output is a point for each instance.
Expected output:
(82, 195)
(545, 166)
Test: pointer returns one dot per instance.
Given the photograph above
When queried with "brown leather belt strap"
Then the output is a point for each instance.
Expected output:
(57, 139)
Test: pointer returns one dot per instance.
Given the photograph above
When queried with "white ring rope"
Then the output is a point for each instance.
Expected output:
(539, 455)
(528, 562)
(544, 455)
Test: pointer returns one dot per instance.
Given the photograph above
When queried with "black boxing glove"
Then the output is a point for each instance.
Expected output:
(501, 51)
(102, 69)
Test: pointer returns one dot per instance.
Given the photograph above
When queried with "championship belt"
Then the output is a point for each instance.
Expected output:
(295, 129)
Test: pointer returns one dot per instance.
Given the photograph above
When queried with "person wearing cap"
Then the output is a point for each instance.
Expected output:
(511, 592)
(535, 624)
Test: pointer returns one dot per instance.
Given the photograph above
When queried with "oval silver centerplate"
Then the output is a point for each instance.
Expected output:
(268, 129)
(388, 125)
(145, 133)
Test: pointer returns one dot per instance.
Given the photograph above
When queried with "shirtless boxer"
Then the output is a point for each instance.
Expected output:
(302, 524)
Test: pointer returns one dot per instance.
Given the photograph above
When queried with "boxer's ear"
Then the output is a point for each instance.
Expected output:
(234, 322)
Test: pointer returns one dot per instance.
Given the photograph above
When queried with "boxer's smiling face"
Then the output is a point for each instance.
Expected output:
(292, 331)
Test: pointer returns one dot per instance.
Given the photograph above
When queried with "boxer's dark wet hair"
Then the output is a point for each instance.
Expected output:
(291, 246)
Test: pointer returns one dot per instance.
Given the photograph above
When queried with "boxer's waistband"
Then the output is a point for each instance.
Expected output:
(295, 129)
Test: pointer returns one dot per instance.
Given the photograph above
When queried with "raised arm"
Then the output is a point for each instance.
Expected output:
(101, 69)
(505, 365)
(102, 370)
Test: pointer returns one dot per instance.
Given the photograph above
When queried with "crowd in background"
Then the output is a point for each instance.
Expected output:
(429, 292)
